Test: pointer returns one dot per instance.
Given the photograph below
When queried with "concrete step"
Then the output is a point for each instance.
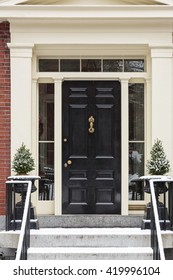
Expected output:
(90, 221)
(90, 237)
(90, 244)
(90, 253)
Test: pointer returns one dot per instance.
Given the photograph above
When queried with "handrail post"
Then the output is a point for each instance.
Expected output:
(160, 217)
(170, 203)
(15, 208)
(158, 254)
(24, 237)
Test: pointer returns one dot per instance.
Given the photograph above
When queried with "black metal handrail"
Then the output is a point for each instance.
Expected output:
(156, 238)
(24, 238)
(161, 214)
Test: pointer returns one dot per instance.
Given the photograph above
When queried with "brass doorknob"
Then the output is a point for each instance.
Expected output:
(69, 162)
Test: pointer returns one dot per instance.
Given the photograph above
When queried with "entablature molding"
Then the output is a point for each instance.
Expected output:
(21, 50)
(91, 75)
(161, 51)
(87, 11)
(97, 50)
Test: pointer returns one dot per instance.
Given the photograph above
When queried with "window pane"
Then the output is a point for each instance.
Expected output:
(136, 169)
(70, 65)
(133, 65)
(46, 171)
(46, 112)
(136, 112)
(112, 65)
(48, 65)
(91, 65)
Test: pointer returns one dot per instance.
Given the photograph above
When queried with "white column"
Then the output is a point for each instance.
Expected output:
(21, 98)
(162, 97)
(124, 148)
(148, 114)
(58, 147)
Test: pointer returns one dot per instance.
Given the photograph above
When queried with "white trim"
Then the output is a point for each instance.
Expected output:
(87, 12)
(58, 146)
(124, 147)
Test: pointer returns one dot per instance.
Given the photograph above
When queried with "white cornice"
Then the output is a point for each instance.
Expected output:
(87, 12)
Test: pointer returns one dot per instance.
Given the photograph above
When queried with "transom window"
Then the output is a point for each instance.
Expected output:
(91, 65)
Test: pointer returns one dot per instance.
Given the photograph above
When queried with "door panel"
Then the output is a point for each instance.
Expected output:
(91, 147)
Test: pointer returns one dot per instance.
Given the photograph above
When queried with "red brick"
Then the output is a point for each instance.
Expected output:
(4, 111)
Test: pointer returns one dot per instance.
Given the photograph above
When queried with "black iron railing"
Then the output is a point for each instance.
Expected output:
(156, 238)
(11, 222)
(159, 211)
(15, 201)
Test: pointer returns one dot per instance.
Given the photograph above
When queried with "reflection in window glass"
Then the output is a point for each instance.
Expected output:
(91, 65)
(136, 169)
(136, 112)
(48, 65)
(46, 112)
(70, 65)
(136, 140)
(112, 65)
(46, 141)
(134, 65)
(46, 171)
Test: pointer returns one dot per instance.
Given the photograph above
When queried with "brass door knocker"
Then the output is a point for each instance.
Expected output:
(91, 124)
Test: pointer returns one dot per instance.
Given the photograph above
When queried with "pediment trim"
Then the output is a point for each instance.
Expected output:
(86, 3)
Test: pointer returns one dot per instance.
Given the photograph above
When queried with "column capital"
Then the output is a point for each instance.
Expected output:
(21, 50)
(161, 51)
(124, 80)
(58, 80)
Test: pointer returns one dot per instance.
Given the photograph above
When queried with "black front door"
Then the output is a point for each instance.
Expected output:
(91, 147)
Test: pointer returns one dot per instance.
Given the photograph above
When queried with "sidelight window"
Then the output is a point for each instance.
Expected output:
(46, 141)
(136, 140)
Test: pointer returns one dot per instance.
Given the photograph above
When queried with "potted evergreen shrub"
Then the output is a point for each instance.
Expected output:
(158, 164)
(23, 161)
(22, 164)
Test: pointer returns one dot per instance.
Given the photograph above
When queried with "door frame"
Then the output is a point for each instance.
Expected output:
(55, 207)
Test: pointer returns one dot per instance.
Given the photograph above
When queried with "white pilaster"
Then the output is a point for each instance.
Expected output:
(21, 95)
(124, 148)
(162, 97)
(58, 147)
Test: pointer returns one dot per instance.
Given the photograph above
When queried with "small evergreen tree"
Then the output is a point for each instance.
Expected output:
(158, 164)
(23, 161)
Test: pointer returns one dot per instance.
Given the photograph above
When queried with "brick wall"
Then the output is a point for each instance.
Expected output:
(4, 111)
